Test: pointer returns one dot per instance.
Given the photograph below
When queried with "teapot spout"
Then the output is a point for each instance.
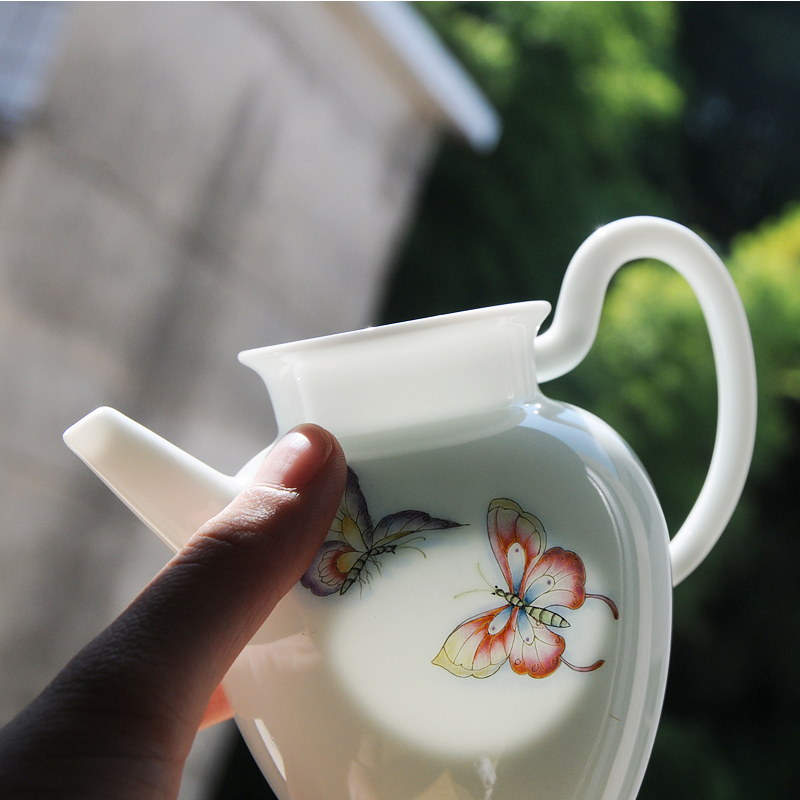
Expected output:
(172, 492)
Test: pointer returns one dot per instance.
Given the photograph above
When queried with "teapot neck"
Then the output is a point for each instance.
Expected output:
(411, 385)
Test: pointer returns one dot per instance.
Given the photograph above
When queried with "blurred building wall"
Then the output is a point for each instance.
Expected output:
(199, 179)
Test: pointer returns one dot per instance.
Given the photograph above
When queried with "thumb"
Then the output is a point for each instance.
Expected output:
(235, 569)
(221, 587)
(140, 688)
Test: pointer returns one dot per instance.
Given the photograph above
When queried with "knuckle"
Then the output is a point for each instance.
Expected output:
(249, 516)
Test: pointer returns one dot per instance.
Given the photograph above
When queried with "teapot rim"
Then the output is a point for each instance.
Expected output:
(540, 307)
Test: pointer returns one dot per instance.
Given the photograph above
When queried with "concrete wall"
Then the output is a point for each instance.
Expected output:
(202, 178)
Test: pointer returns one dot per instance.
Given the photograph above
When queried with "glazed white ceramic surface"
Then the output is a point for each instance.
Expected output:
(358, 686)
(341, 689)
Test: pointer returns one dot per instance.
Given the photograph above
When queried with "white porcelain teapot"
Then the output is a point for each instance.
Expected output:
(489, 616)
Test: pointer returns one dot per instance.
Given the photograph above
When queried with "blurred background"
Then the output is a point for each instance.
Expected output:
(179, 182)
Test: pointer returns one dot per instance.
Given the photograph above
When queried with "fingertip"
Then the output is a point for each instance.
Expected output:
(298, 457)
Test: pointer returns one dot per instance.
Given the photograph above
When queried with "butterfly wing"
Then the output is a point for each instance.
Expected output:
(350, 535)
(517, 539)
(556, 580)
(481, 645)
(329, 568)
(352, 522)
(535, 649)
(396, 526)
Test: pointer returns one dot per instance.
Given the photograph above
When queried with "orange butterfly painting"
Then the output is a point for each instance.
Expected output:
(521, 630)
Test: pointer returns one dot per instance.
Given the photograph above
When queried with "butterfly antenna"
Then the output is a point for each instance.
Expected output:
(410, 547)
(491, 586)
(469, 591)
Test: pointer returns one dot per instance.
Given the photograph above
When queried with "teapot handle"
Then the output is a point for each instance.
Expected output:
(574, 327)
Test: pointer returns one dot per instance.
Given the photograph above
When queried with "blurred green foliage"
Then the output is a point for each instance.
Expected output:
(594, 100)
(590, 115)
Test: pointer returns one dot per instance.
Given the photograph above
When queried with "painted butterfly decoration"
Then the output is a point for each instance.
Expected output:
(519, 631)
(353, 543)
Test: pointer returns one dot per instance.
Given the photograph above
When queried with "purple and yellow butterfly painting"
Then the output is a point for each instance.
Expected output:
(353, 543)
(520, 630)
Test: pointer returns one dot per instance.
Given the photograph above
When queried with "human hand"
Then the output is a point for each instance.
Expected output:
(119, 720)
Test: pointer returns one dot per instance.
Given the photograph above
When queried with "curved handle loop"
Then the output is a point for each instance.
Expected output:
(572, 333)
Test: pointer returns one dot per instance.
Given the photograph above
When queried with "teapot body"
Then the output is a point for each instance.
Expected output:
(360, 693)
(489, 615)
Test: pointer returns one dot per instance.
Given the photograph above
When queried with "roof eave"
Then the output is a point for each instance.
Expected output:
(435, 70)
